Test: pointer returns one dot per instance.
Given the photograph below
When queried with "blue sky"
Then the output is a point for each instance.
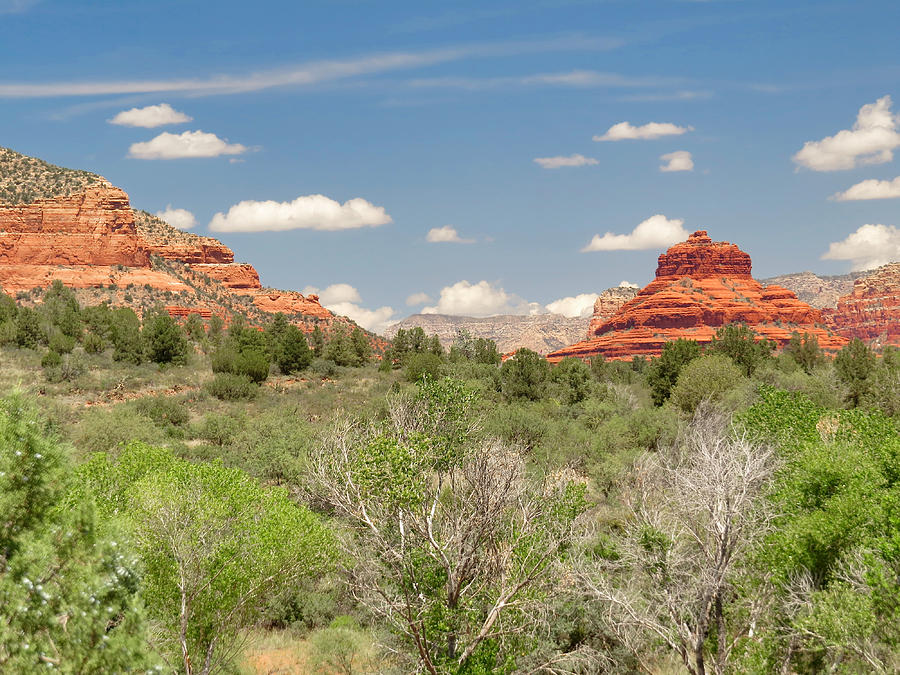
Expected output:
(409, 117)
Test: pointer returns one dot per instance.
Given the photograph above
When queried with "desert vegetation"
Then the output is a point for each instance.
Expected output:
(224, 496)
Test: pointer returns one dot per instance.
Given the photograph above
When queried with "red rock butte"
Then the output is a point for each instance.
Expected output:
(700, 285)
(94, 239)
(871, 311)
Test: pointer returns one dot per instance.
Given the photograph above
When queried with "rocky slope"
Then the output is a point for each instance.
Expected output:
(816, 290)
(77, 227)
(700, 285)
(871, 311)
(608, 303)
(542, 333)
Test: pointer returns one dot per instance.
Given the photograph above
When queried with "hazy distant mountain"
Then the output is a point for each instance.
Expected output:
(813, 289)
(542, 333)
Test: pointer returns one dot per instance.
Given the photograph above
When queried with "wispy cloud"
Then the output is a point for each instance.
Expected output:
(306, 74)
(16, 6)
(446, 235)
(587, 79)
(560, 161)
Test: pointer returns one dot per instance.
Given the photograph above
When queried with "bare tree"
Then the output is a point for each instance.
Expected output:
(694, 511)
(454, 545)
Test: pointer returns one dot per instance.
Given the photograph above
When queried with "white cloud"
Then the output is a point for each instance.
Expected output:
(311, 212)
(306, 74)
(150, 116)
(481, 299)
(446, 235)
(334, 294)
(571, 160)
(180, 218)
(581, 305)
(655, 232)
(418, 299)
(344, 299)
(625, 131)
(627, 284)
(680, 160)
(870, 189)
(870, 246)
(187, 144)
(872, 140)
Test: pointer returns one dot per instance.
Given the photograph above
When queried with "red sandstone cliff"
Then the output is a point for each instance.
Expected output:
(700, 285)
(871, 311)
(607, 304)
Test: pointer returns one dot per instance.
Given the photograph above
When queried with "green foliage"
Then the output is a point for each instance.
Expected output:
(708, 378)
(340, 349)
(231, 387)
(292, 354)
(164, 341)
(220, 430)
(662, 374)
(93, 343)
(68, 593)
(573, 379)
(213, 542)
(61, 343)
(525, 375)
(125, 335)
(342, 648)
(163, 410)
(361, 346)
(854, 364)
(739, 343)
(422, 365)
(107, 430)
(804, 351)
(28, 329)
(51, 359)
(61, 310)
(317, 341)
(194, 327)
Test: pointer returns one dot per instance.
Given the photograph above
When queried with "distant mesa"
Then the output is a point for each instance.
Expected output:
(700, 285)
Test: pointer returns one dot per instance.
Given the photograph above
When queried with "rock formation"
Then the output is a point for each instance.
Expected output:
(871, 311)
(814, 289)
(76, 227)
(541, 333)
(608, 303)
(700, 285)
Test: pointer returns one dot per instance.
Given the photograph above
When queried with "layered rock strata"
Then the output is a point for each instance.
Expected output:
(700, 285)
(871, 311)
(608, 303)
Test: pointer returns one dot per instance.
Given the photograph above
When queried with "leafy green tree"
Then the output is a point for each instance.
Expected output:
(28, 329)
(573, 376)
(8, 308)
(68, 592)
(525, 375)
(455, 541)
(486, 352)
(215, 545)
(245, 353)
(708, 378)
(662, 374)
(418, 366)
(164, 341)
(61, 308)
(739, 343)
(361, 346)
(401, 343)
(317, 341)
(293, 354)
(125, 334)
(339, 349)
(854, 364)
(805, 351)
(194, 327)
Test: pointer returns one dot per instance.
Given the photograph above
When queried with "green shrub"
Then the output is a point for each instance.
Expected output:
(93, 343)
(164, 341)
(324, 368)
(424, 364)
(50, 360)
(61, 343)
(522, 424)
(525, 375)
(292, 353)
(164, 410)
(707, 378)
(251, 363)
(107, 430)
(72, 367)
(231, 387)
(662, 373)
(342, 648)
(572, 378)
(220, 430)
